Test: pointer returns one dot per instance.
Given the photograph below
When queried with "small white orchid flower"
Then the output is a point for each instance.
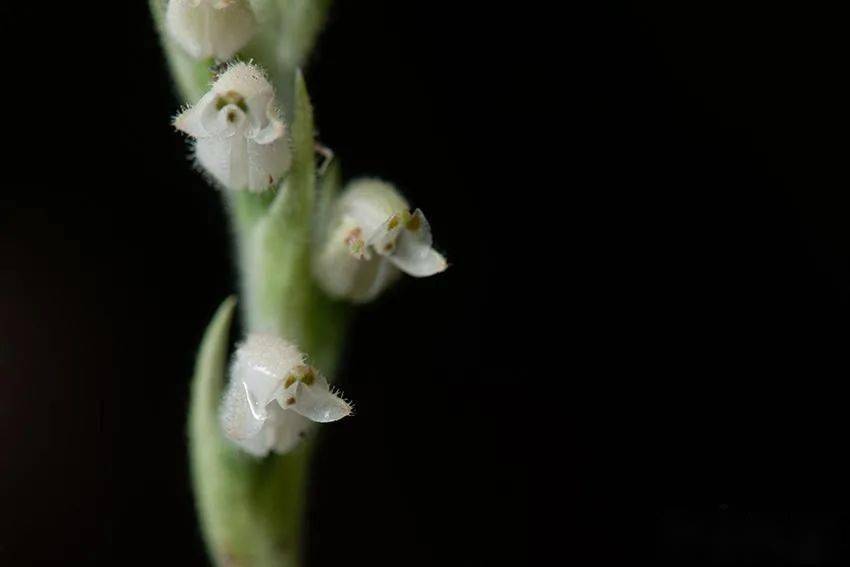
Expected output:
(210, 28)
(372, 235)
(240, 136)
(273, 395)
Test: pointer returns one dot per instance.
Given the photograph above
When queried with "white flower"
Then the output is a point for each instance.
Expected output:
(272, 395)
(372, 235)
(210, 28)
(240, 136)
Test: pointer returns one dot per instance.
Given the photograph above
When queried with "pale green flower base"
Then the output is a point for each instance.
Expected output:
(250, 509)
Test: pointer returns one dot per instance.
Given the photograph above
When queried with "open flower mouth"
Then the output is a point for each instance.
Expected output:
(231, 97)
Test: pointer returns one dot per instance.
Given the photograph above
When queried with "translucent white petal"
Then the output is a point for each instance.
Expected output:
(250, 82)
(209, 28)
(413, 253)
(373, 283)
(226, 159)
(240, 164)
(195, 120)
(317, 403)
(231, 27)
(289, 429)
(237, 419)
(214, 155)
(260, 444)
(272, 131)
(281, 433)
(185, 21)
(261, 364)
(371, 203)
(266, 163)
(343, 273)
(266, 121)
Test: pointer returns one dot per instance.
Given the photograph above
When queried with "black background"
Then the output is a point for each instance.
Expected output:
(646, 216)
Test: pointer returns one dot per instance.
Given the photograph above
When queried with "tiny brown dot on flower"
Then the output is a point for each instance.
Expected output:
(308, 377)
(290, 400)
(414, 223)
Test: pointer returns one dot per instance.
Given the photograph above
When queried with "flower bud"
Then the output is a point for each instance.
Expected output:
(210, 28)
(273, 395)
(372, 237)
(240, 136)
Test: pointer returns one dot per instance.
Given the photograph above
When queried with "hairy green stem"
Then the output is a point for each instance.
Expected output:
(251, 510)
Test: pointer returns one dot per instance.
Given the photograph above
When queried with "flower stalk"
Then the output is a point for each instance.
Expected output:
(236, 65)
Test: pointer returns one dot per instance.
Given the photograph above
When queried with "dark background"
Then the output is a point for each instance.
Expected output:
(646, 213)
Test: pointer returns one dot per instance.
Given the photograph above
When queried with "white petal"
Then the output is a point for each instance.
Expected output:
(261, 364)
(250, 82)
(371, 203)
(274, 130)
(208, 28)
(226, 159)
(237, 419)
(231, 28)
(413, 253)
(317, 403)
(383, 275)
(240, 164)
(266, 163)
(184, 20)
(281, 433)
(344, 275)
(289, 429)
(194, 120)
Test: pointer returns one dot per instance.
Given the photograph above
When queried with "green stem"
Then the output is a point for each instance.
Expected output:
(251, 510)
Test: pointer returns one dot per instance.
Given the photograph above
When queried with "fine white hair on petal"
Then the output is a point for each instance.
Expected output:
(237, 419)
(320, 406)
(210, 28)
(245, 78)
